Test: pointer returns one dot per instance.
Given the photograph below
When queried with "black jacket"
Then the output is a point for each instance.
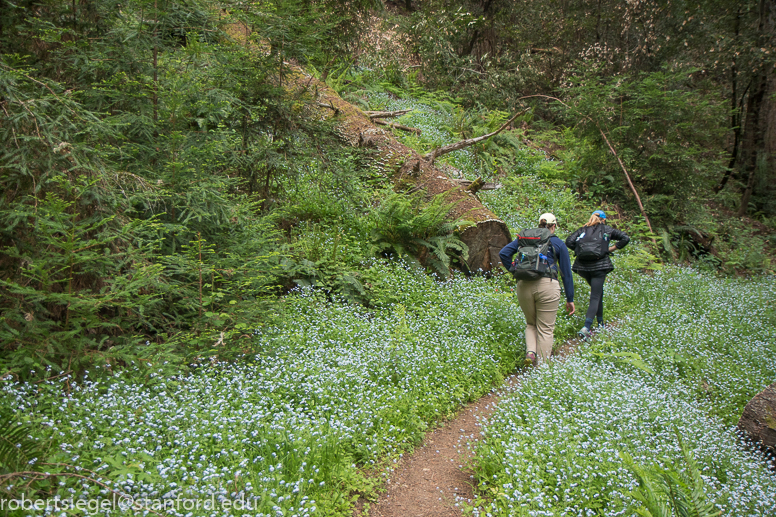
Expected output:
(620, 238)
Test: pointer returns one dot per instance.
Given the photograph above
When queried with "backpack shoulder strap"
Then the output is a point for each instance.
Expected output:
(552, 249)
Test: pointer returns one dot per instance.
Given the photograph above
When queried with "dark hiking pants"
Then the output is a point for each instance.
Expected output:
(595, 280)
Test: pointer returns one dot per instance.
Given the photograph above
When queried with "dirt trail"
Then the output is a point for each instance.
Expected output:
(433, 480)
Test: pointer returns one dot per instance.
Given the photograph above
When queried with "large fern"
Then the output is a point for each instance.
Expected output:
(406, 225)
(651, 492)
(17, 449)
(668, 493)
(693, 498)
(441, 249)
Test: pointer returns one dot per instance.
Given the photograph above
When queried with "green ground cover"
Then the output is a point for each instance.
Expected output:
(688, 351)
(335, 388)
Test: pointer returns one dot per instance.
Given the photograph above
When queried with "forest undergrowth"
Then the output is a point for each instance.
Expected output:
(332, 392)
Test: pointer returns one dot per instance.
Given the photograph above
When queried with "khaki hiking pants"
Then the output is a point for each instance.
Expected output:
(539, 301)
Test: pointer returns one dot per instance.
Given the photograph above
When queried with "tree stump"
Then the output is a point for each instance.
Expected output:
(758, 421)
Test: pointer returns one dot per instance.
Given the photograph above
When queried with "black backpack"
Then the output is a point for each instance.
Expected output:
(530, 261)
(592, 244)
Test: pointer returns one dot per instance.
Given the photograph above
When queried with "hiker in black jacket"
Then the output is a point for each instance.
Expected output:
(592, 245)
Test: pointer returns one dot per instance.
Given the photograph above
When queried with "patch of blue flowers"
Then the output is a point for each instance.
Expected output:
(334, 388)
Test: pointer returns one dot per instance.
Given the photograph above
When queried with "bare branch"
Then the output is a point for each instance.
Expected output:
(476, 185)
(397, 126)
(469, 185)
(330, 106)
(627, 176)
(462, 144)
(385, 114)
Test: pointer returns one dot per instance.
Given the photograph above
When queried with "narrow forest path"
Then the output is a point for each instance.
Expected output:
(434, 479)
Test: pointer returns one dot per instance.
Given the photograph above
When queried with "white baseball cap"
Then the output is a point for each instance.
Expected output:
(549, 218)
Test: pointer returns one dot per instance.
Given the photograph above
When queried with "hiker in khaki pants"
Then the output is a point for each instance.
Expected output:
(539, 301)
(539, 298)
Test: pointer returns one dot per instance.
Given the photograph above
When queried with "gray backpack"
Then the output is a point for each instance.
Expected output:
(531, 260)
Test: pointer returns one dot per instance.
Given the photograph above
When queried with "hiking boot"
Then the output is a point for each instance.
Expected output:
(530, 359)
(584, 333)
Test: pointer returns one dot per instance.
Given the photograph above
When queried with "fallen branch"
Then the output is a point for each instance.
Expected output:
(476, 185)
(397, 126)
(462, 144)
(611, 148)
(484, 186)
(330, 106)
(627, 176)
(385, 114)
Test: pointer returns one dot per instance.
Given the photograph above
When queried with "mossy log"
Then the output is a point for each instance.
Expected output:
(408, 169)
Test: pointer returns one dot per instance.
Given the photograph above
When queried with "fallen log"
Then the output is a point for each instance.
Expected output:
(409, 169)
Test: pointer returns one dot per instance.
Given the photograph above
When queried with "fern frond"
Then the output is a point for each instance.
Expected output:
(408, 225)
(438, 248)
(458, 246)
(651, 495)
(665, 240)
(16, 448)
(677, 493)
(698, 504)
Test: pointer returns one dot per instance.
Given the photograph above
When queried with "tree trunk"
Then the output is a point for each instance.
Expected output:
(753, 139)
(759, 106)
(735, 113)
(408, 168)
(769, 132)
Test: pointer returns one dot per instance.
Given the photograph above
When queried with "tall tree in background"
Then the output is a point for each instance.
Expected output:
(757, 146)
